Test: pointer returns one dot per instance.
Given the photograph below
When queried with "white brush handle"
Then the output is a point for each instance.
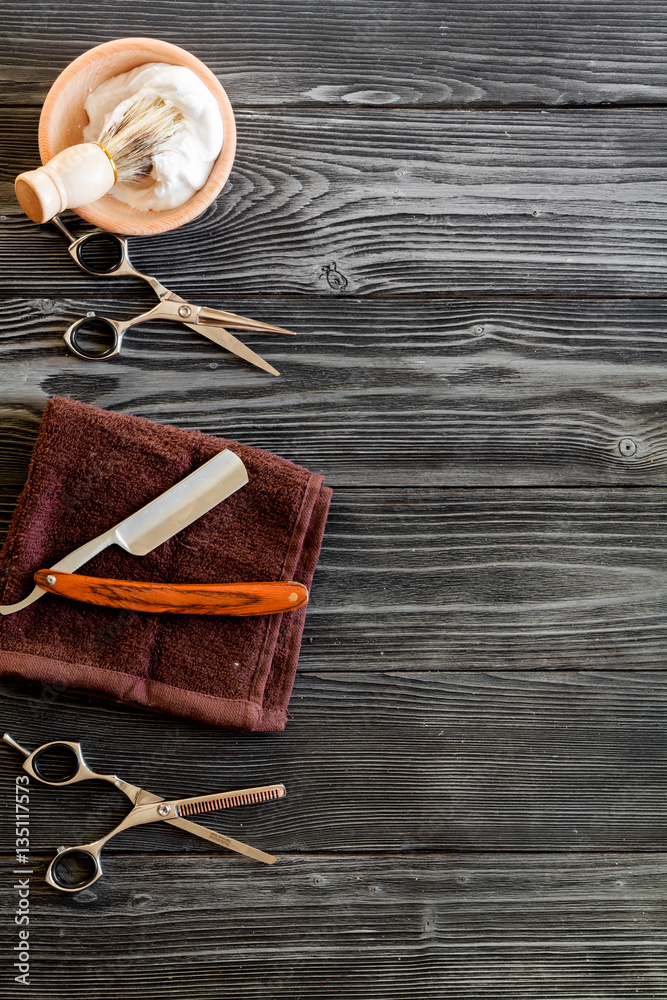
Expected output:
(76, 176)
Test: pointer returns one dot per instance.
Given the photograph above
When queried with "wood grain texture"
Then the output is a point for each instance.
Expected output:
(476, 580)
(435, 392)
(377, 762)
(380, 54)
(476, 277)
(404, 202)
(530, 927)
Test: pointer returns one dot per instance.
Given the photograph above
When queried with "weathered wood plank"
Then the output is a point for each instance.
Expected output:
(476, 580)
(427, 713)
(433, 392)
(534, 926)
(442, 203)
(416, 761)
(385, 53)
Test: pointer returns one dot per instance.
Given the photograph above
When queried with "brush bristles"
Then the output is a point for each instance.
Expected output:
(139, 135)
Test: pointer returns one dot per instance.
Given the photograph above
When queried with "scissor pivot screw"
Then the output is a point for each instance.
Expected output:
(185, 311)
(163, 810)
(50, 579)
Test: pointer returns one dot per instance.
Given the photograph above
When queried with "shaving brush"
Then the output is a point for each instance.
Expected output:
(83, 173)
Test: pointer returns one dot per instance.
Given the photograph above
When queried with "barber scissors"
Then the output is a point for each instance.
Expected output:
(88, 250)
(61, 763)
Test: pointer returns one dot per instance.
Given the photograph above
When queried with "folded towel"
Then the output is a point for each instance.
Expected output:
(92, 468)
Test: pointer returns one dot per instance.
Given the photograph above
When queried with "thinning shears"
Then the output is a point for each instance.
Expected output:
(61, 763)
(105, 255)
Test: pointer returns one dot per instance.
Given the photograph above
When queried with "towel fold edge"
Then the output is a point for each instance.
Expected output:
(142, 692)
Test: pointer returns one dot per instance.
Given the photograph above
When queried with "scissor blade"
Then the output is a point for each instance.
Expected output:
(241, 322)
(224, 841)
(225, 339)
(225, 800)
(202, 831)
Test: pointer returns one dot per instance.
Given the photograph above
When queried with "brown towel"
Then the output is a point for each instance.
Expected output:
(90, 469)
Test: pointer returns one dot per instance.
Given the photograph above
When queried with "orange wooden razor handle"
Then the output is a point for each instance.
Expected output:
(177, 598)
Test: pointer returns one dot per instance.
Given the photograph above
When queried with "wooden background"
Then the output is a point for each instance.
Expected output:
(462, 210)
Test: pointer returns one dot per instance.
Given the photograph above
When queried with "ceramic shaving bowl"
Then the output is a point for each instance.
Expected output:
(63, 119)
